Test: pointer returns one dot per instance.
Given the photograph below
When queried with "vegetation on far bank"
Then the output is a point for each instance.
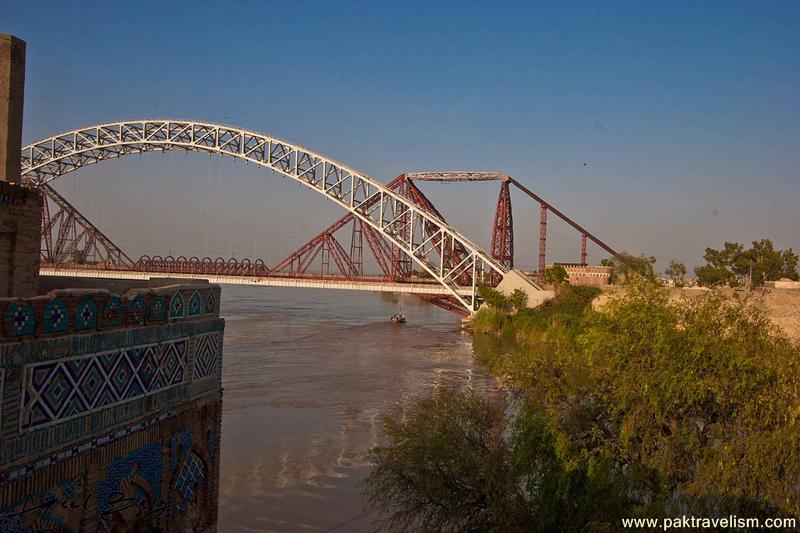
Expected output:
(510, 318)
(733, 265)
(647, 407)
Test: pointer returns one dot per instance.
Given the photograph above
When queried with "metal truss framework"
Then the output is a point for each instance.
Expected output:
(69, 237)
(314, 256)
(413, 230)
(325, 245)
(503, 228)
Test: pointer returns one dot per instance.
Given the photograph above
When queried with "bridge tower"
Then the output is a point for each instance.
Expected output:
(503, 229)
(20, 208)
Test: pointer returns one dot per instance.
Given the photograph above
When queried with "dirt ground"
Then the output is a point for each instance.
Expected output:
(782, 306)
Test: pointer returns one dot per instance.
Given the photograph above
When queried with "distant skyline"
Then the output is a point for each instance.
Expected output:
(661, 127)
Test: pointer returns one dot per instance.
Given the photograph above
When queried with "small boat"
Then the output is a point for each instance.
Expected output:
(397, 318)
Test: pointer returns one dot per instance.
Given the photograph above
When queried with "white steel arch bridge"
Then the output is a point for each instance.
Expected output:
(449, 257)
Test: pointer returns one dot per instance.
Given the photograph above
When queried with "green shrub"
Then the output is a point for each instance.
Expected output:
(493, 297)
(555, 275)
(448, 467)
(489, 319)
(518, 300)
(648, 407)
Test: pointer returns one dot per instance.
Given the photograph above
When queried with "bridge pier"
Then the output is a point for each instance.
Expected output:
(516, 279)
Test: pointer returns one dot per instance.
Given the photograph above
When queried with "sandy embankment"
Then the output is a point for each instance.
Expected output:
(782, 306)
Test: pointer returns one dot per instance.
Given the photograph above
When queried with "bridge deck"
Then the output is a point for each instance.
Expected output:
(271, 281)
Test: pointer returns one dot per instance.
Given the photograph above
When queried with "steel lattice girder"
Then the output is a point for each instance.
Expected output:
(393, 261)
(77, 236)
(462, 176)
(302, 257)
(503, 229)
(395, 217)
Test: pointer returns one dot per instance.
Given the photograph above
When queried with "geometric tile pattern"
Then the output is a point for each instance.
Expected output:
(194, 304)
(176, 306)
(136, 308)
(86, 314)
(56, 317)
(21, 319)
(192, 474)
(113, 312)
(59, 390)
(211, 303)
(207, 354)
(49, 460)
(143, 465)
(40, 511)
(157, 308)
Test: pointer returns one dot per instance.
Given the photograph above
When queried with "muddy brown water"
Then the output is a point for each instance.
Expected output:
(307, 376)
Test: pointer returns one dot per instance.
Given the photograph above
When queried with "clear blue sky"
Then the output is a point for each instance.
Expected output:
(664, 127)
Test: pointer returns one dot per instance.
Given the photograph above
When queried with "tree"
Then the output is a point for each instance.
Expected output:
(676, 271)
(710, 276)
(431, 473)
(448, 466)
(555, 275)
(518, 300)
(718, 269)
(493, 297)
(625, 264)
(733, 265)
(680, 390)
(790, 260)
(758, 264)
(645, 407)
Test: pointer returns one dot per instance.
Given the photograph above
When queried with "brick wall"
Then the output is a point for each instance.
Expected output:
(595, 276)
(20, 240)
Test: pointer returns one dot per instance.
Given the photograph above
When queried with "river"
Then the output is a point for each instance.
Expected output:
(307, 376)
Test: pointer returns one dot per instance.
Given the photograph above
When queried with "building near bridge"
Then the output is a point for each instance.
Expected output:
(591, 275)
(110, 396)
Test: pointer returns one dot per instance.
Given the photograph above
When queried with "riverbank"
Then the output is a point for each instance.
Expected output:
(780, 306)
(642, 404)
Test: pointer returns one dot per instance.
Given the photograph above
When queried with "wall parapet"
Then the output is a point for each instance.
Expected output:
(68, 311)
(65, 389)
(593, 275)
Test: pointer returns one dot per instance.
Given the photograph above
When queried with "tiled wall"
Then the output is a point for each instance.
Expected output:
(76, 363)
(103, 395)
(66, 311)
(161, 474)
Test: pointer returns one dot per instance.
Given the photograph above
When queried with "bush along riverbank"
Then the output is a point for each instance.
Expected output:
(644, 408)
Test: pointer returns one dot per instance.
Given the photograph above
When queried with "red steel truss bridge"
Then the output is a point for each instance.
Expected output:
(415, 248)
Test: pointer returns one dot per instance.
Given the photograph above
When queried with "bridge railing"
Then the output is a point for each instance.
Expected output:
(206, 265)
(229, 267)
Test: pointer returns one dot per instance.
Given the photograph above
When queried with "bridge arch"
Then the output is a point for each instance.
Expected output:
(422, 235)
